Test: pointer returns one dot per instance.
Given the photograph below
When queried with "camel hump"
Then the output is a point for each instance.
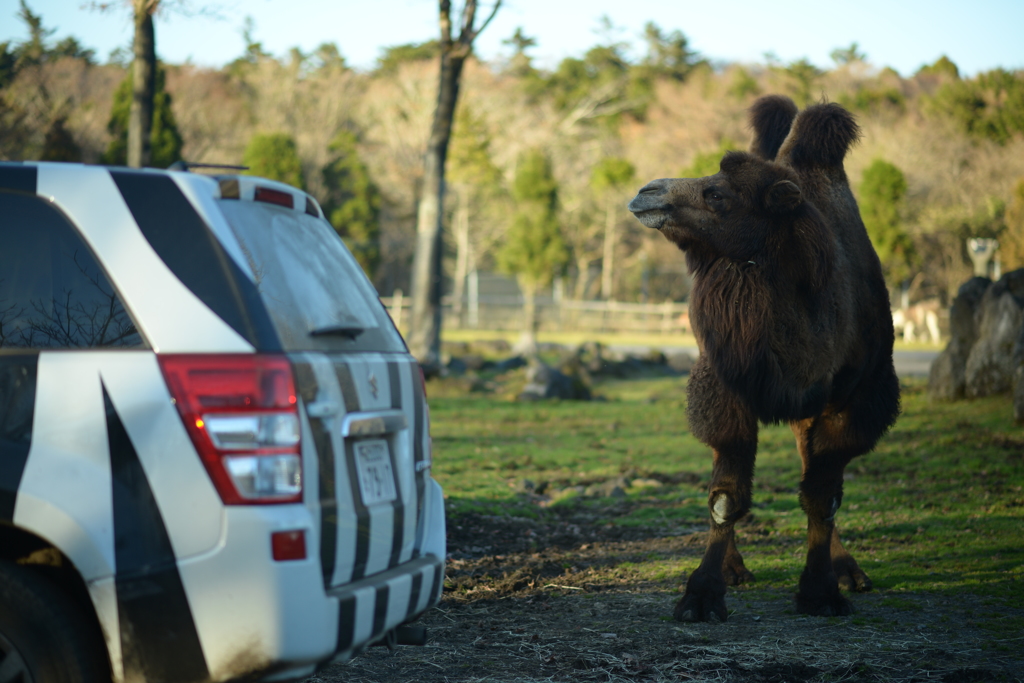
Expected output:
(770, 119)
(822, 134)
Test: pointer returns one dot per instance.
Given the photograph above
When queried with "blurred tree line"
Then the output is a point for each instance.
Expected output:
(542, 161)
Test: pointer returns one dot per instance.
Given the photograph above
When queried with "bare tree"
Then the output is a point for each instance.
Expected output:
(425, 337)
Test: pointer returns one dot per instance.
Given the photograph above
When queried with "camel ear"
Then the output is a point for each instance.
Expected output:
(783, 197)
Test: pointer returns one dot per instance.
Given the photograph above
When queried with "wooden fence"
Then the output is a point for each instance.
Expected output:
(505, 313)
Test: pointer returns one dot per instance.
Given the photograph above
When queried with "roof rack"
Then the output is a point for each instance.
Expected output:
(189, 165)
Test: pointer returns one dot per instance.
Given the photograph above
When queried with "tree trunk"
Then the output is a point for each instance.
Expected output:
(425, 320)
(140, 116)
(462, 247)
(528, 340)
(582, 276)
(608, 261)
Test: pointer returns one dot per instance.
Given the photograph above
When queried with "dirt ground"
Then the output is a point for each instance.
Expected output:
(537, 601)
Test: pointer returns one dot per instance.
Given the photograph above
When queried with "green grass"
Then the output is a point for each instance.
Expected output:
(938, 506)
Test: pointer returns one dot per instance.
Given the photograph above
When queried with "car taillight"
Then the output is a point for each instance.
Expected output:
(242, 415)
(265, 194)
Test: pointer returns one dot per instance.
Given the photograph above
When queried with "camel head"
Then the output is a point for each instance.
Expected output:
(731, 213)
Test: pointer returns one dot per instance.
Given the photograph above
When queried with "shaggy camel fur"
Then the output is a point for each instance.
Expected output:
(792, 317)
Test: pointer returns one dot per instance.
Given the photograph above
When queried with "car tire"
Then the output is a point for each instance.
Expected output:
(44, 635)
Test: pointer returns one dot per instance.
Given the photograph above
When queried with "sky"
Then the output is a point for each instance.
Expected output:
(902, 34)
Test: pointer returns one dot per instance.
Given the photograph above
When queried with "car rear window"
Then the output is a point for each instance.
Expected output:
(317, 295)
(53, 293)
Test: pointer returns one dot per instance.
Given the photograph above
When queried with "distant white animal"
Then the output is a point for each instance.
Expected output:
(919, 322)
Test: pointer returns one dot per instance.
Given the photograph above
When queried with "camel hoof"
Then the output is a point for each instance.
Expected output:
(737, 576)
(701, 604)
(851, 577)
(830, 606)
(856, 583)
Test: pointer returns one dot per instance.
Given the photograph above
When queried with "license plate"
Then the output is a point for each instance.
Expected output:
(373, 465)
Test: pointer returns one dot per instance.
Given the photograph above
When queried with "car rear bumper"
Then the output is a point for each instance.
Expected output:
(260, 619)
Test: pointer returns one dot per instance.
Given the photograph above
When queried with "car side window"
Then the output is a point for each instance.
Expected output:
(53, 293)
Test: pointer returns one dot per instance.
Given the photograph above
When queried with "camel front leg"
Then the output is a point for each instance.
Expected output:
(719, 419)
(728, 501)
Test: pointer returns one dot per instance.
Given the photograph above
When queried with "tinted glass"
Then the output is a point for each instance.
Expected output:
(309, 281)
(53, 294)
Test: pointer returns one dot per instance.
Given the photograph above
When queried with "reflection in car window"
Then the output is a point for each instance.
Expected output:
(53, 294)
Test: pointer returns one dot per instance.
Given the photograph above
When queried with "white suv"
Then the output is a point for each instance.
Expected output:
(214, 445)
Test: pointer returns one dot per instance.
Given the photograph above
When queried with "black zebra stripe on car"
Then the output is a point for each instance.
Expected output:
(308, 387)
(414, 593)
(159, 641)
(351, 398)
(362, 555)
(17, 409)
(346, 622)
(419, 401)
(18, 178)
(398, 504)
(436, 585)
(380, 608)
(182, 240)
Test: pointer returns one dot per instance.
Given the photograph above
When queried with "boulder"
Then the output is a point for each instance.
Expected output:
(1018, 395)
(474, 362)
(455, 367)
(544, 381)
(990, 364)
(681, 362)
(946, 379)
(513, 363)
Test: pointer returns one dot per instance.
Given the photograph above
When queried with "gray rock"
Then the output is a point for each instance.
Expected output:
(544, 381)
(474, 361)
(1018, 395)
(513, 363)
(681, 362)
(946, 379)
(591, 356)
(946, 376)
(525, 486)
(656, 357)
(990, 368)
(455, 366)
(608, 489)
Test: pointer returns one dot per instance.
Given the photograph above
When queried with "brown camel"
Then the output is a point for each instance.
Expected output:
(792, 317)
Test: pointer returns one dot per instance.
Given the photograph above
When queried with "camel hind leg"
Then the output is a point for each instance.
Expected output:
(851, 577)
(827, 443)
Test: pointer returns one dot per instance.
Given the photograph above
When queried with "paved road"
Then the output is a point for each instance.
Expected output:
(913, 363)
(908, 363)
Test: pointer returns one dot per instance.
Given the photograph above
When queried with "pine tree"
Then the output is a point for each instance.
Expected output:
(882, 189)
(274, 156)
(352, 203)
(534, 250)
(164, 140)
(59, 145)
